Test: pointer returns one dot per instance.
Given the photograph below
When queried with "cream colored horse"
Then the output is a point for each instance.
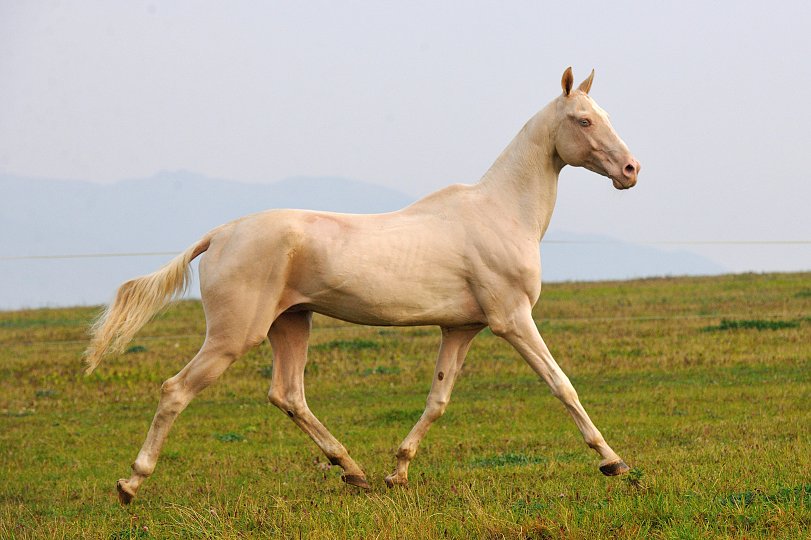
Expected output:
(463, 258)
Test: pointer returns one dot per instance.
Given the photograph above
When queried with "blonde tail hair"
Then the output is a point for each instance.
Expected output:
(136, 302)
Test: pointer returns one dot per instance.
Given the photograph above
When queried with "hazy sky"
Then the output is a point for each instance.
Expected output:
(713, 99)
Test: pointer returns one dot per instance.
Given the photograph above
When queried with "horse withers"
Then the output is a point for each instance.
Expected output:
(464, 258)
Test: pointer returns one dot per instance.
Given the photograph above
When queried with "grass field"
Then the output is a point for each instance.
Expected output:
(703, 385)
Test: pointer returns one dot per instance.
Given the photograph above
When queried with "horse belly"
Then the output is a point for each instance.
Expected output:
(390, 279)
(398, 306)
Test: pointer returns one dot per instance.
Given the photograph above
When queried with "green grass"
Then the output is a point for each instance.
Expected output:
(750, 324)
(347, 345)
(501, 460)
(703, 385)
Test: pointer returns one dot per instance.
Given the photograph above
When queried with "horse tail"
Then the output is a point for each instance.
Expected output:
(136, 302)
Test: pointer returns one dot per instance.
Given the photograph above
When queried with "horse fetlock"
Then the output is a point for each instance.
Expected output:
(341, 458)
(436, 408)
(142, 467)
(405, 454)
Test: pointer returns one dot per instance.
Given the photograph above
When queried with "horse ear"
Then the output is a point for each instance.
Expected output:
(567, 81)
(585, 86)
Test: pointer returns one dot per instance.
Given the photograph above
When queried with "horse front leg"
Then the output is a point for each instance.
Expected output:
(452, 351)
(522, 334)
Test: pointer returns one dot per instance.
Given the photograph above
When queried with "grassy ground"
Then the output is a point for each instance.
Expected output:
(703, 385)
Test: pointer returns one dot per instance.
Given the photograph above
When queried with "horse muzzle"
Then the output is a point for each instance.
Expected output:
(627, 179)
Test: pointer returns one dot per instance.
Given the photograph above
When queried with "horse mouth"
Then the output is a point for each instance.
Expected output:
(625, 183)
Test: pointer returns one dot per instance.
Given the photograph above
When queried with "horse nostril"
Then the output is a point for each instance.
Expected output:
(630, 169)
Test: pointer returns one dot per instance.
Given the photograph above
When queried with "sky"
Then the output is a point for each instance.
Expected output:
(712, 99)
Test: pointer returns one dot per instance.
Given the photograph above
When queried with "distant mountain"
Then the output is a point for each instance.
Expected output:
(170, 210)
(567, 256)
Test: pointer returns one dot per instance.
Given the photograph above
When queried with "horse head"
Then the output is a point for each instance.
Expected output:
(584, 136)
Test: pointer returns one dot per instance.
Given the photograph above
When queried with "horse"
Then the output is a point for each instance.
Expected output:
(463, 258)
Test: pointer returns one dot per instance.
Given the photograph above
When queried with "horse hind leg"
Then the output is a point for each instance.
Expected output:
(235, 323)
(288, 337)
(176, 393)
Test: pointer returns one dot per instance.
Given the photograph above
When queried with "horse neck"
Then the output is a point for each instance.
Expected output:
(523, 181)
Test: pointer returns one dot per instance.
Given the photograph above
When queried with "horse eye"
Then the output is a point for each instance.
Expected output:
(585, 122)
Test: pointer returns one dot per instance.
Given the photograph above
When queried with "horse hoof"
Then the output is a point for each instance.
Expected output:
(614, 469)
(125, 495)
(357, 480)
(394, 480)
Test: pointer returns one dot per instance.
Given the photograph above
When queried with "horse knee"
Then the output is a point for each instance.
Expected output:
(500, 328)
(506, 328)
